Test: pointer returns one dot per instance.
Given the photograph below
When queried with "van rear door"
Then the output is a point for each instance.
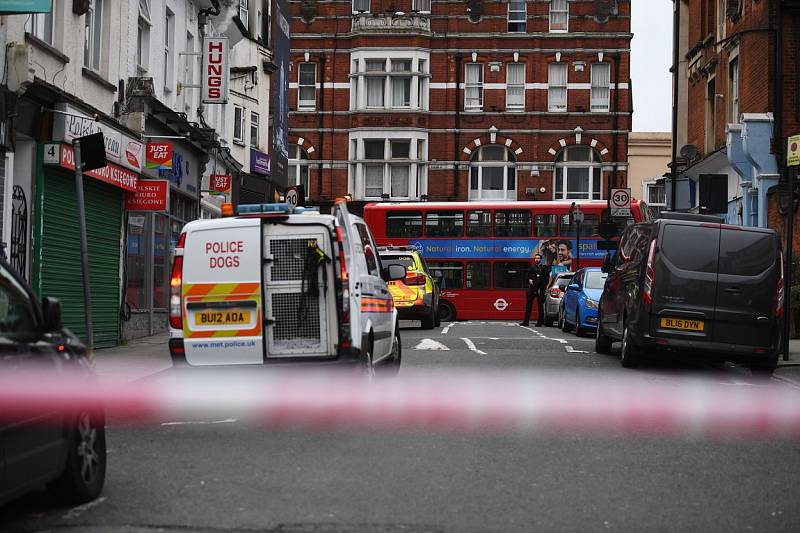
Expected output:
(299, 281)
(748, 276)
(685, 285)
(221, 291)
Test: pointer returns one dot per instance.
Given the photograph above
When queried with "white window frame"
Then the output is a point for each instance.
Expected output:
(734, 89)
(296, 166)
(517, 20)
(599, 104)
(554, 11)
(37, 23)
(362, 3)
(169, 45)
(473, 85)
(561, 173)
(419, 75)
(189, 73)
(244, 14)
(646, 186)
(400, 75)
(421, 6)
(507, 194)
(557, 107)
(93, 25)
(306, 105)
(513, 106)
(255, 129)
(239, 123)
(415, 163)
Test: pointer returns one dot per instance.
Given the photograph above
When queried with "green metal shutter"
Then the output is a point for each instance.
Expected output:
(61, 259)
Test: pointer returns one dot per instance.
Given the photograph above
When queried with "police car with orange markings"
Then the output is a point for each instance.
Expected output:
(416, 296)
(276, 284)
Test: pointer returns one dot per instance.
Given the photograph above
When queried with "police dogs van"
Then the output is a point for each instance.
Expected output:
(276, 284)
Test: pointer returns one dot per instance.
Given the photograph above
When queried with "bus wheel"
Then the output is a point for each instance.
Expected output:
(447, 313)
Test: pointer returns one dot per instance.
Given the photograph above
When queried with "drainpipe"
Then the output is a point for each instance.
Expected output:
(320, 123)
(457, 138)
(676, 31)
(781, 160)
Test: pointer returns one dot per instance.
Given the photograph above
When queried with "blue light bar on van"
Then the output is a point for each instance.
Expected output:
(301, 210)
(250, 209)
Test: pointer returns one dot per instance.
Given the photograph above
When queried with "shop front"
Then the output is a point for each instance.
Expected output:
(151, 237)
(56, 252)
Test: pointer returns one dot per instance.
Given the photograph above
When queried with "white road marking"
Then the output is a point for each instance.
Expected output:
(570, 349)
(200, 422)
(447, 328)
(430, 344)
(542, 335)
(75, 512)
(471, 346)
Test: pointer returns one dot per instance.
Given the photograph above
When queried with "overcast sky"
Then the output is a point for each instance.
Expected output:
(650, 62)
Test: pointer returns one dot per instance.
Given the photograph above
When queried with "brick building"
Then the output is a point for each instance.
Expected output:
(454, 100)
(736, 77)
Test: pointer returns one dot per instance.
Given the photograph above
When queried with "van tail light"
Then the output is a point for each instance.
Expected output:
(343, 276)
(779, 291)
(175, 285)
(414, 278)
(555, 292)
(649, 276)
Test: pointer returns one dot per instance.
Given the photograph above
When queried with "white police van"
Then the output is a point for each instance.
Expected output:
(276, 284)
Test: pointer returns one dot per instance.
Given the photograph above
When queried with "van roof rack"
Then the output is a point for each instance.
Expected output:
(690, 217)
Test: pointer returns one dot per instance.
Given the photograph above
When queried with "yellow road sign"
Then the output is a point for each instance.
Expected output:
(793, 151)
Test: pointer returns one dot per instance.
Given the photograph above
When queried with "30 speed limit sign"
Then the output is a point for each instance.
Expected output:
(620, 202)
(292, 197)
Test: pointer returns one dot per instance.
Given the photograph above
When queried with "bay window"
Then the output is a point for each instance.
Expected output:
(397, 80)
(389, 167)
(578, 174)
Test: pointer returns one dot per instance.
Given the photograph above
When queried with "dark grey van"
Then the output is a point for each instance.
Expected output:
(691, 284)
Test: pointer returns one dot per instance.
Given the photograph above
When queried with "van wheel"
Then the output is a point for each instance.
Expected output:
(629, 357)
(764, 367)
(429, 322)
(85, 471)
(368, 367)
(447, 313)
(393, 366)
(602, 343)
(562, 320)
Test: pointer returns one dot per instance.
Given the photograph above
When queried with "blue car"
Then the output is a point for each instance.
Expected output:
(578, 308)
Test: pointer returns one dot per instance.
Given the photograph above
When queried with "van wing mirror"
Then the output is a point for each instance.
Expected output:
(53, 314)
(608, 263)
(394, 272)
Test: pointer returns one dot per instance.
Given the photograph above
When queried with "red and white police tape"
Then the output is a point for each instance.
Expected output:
(533, 403)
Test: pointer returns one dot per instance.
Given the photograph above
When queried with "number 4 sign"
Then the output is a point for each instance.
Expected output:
(620, 202)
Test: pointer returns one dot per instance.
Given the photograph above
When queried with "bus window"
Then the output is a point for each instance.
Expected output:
(545, 226)
(510, 274)
(588, 227)
(512, 224)
(448, 274)
(479, 224)
(478, 275)
(444, 224)
(404, 224)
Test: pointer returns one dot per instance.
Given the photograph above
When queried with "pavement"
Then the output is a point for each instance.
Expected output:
(143, 357)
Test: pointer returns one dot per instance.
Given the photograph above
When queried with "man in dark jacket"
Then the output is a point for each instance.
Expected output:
(537, 278)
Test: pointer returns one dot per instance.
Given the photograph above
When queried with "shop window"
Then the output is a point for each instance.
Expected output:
(138, 229)
(161, 259)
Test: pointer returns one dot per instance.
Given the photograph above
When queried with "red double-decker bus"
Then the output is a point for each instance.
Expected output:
(479, 252)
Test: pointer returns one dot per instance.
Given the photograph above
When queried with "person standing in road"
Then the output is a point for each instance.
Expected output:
(537, 277)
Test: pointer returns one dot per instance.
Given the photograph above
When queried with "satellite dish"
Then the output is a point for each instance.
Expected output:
(689, 152)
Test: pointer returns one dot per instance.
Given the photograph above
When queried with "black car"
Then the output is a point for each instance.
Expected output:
(692, 284)
(65, 450)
